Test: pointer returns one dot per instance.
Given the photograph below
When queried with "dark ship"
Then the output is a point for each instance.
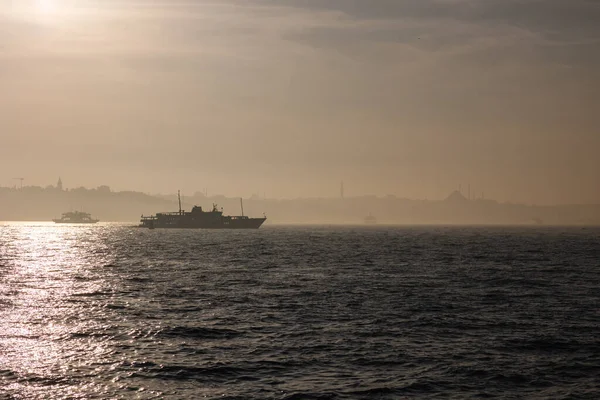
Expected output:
(76, 217)
(200, 219)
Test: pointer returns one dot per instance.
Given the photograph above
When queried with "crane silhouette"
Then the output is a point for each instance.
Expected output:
(20, 179)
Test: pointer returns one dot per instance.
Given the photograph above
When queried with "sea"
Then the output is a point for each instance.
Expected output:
(112, 311)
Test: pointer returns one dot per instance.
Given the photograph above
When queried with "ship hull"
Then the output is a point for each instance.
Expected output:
(58, 221)
(249, 223)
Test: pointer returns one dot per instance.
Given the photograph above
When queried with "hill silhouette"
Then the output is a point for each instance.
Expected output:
(43, 204)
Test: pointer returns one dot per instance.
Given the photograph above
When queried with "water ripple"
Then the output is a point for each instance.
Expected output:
(298, 313)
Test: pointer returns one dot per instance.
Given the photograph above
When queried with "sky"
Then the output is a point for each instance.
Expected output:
(288, 98)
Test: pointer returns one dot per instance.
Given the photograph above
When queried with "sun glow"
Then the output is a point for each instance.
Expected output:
(46, 6)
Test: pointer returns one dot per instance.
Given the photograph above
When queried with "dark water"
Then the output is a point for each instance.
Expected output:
(299, 313)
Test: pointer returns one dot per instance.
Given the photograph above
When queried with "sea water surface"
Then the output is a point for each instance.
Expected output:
(116, 312)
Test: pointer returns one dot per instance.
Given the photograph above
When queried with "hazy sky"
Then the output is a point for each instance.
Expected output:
(288, 98)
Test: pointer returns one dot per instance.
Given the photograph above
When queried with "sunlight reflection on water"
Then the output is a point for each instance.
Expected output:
(42, 267)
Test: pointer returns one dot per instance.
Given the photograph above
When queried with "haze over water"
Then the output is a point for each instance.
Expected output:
(110, 311)
(288, 98)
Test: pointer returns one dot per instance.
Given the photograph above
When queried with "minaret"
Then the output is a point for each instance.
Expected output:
(59, 184)
(342, 190)
(179, 199)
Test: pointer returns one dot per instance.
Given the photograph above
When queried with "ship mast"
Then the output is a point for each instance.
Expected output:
(179, 198)
(242, 205)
